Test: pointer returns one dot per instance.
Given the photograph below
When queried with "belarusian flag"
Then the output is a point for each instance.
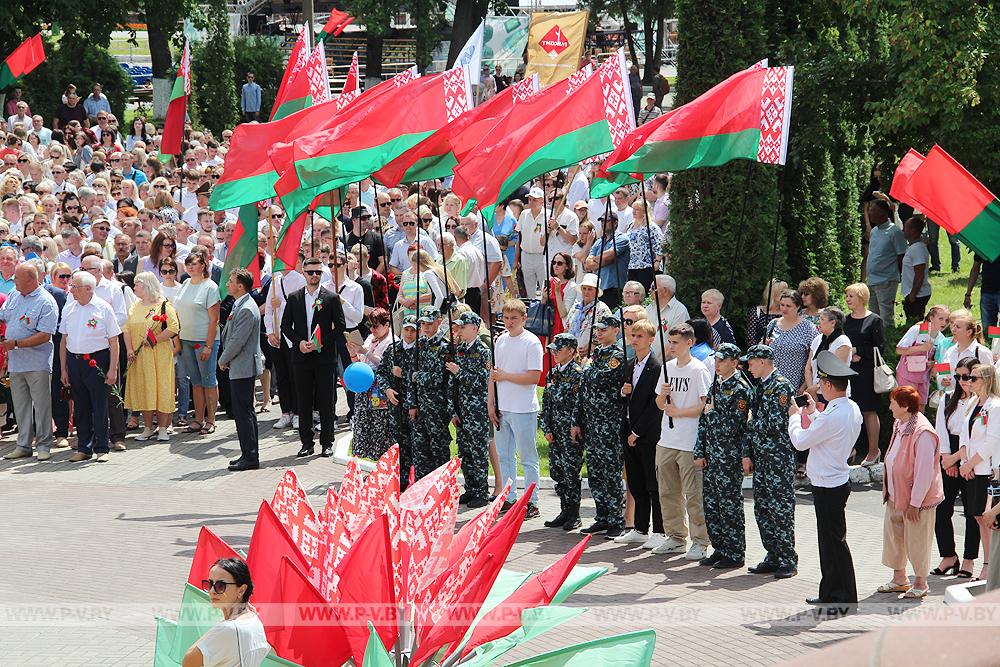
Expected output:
(286, 101)
(316, 339)
(381, 131)
(29, 55)
(434, 157)
(993, 333)
(249, 176)
(352, 84)
(952, 197)
(334, 25)
(943, 369)
(310, 86)
(243, 253)
(568, 131)
(744, 117)
(925, 327)
(173, 126)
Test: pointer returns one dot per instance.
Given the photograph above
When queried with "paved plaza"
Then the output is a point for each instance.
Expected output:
(92, 551)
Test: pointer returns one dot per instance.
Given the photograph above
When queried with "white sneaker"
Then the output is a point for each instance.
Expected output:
(671, 545)
(696, 552)
(146, 435)
(295, 422)
(284, 421)
(163, 435)
(655, 540)
(631, 537)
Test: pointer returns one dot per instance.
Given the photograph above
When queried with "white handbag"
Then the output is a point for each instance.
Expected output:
(884, 379)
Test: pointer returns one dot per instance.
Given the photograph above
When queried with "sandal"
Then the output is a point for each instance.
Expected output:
(893, 587)
(985, 569)
(208, 429)
(182, 422)
(194, 427)
(916, 593)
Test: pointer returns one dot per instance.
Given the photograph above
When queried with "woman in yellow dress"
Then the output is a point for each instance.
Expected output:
(150, 386)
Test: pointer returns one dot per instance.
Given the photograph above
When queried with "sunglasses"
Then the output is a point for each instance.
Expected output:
(558, 262)
(218, 586)
(159, 187)
(313, 273)
(974, 378)
(963, 378)
(397, 200)
(22, 161)
(64, 276)
(451, 226)
(384, 204)
(72, 208)
(409, 224)
(169, 245)
(168, 272)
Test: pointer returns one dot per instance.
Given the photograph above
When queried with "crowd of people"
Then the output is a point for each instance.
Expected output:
(117, 317)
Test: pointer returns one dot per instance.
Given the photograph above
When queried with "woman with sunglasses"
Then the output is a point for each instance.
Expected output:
(967, 341)
(979, 439)
(163, 247)
(948, 424)
(197, 304)
(238, 640)
(72, 211)
(563, 292)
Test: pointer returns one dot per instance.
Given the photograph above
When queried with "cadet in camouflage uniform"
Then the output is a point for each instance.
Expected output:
(427, 400)
(768, 452)
(601, 414)
(560, 407)
(398, 363)
(469, 408)
(719, 451)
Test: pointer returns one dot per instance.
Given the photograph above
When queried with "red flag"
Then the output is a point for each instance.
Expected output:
(26, 57)
(505, 618)
(291, 504)
(334, 25)
(296, 61)
(210, 548)
(352, 84)
(366, 584)
(173, 124)
(268, 543)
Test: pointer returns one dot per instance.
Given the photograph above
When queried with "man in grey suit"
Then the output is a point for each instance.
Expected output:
(241, 356)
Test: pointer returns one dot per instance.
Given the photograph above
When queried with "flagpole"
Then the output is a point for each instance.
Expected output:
(489, 313)
(270, 243)
(600, 263)
(547, 289)
(774, 235)
(656, 298)
(739, 230)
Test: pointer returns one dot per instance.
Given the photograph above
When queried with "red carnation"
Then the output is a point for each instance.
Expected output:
(92, 363)
(197, 346)
(86, 357)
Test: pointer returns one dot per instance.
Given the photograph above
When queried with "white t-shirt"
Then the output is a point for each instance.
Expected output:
(916, 255)
(840, 341)
(239, 643)
(518, 354)
(689, 384)
(569, 222)
(532, 230)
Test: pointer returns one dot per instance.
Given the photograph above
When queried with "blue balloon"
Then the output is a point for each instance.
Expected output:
(359, 377)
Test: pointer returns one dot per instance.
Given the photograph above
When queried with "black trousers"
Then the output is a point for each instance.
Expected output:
(116, 409)
(287, 398)
(241, 397)
(640, 475)
(474, 298)
(314, 386)
(90, 400)
(60, 408)
(611, 296)
(944, 530)
(836, 566)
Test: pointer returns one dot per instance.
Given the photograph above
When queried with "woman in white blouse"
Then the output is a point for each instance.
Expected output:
(238, 640)
(831, 337)
(967, 336)
(948, 424)
(978, 443)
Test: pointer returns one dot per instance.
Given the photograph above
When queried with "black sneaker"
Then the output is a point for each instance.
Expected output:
(763, 567)
(506, 506)
(464, 498)
(595, 528)
(726, 563)
(786, 572)
(613, 533)
(476, 502)
(532, 512)
(710, 560)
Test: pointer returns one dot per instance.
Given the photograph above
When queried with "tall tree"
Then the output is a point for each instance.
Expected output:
(214, 82)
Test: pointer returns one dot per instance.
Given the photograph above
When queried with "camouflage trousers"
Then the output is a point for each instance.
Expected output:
(774, 505)
(605, 462)
(565, 464)
(401, 432)
(473, 438)
(431, 437)
(723, 499)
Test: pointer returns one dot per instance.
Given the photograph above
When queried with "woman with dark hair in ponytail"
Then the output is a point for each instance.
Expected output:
(238, 640)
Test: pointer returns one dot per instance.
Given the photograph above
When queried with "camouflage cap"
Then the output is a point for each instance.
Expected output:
(410, 321)
(429, 314)
(469, 318)
(607, 322)
(563, 341)
(758, 351)
(728, 351)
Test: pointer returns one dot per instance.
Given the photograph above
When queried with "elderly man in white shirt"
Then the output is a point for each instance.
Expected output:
(671, 311)
(476, 263)
(531, 245)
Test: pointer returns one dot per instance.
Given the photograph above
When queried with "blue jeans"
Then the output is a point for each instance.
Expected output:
(183, 387)
(989, 307)
(202, 373)
(517, 435)
(935, 253)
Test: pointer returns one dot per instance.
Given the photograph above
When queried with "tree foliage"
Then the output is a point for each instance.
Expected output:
(89, 26)
(213, 80)
(262, 56)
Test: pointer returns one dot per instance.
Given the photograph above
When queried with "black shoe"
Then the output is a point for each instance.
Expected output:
(306, 451)
(818, 600)
(244, 465)
(613, 533)
(572, 523)
(726, 563)
(326, 451)
(711, 560)
(532, 512)
(786, 572)
(595, 528)
(475, 502)
(507, 505)
(464, 498)
(235, 461)
(763, 567)
(558, 521)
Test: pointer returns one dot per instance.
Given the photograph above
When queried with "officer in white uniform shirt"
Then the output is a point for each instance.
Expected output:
(110, 292)
(830, 440)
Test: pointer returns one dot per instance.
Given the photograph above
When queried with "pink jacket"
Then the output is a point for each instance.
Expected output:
(904, 469)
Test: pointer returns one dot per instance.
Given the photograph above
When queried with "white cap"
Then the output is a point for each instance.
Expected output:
(536, 193)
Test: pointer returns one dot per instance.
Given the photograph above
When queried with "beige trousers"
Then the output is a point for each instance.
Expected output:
(679, 484)
(904, 540)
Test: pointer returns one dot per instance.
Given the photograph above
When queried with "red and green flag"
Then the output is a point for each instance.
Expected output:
(316, 339)
(310, 85)
(334, 25)
(26, 57)
(377, 133)
(949, 195)
(925, 327)
(173, 126)
(744, 117)
(565, 131)
(243, 252)
(942, 369)
(993, 333)
(284, 99)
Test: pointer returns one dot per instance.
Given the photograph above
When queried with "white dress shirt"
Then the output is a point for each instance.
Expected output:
(830, 440)
(88, 328)
(476, 263)
(352, 299)
(310, 299)
(674, 312)
(532, 230)
(569, 222)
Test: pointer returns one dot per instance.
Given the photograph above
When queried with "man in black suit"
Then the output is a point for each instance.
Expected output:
(314, 308)
(640, 434)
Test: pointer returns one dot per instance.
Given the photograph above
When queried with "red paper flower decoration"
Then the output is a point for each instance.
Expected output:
(92, 363)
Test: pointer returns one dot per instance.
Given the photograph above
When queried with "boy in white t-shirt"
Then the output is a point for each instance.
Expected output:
(682, 399)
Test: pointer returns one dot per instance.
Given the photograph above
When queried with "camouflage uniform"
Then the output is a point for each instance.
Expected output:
(400, 428)
(468, 402)
(429, 394)
(560, 407)
(601, 414)
(768, 444)
(721, 430)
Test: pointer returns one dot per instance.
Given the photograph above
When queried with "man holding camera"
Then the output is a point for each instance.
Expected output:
(830, 439)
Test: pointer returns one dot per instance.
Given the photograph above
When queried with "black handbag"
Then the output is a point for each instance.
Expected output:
(541, 318)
